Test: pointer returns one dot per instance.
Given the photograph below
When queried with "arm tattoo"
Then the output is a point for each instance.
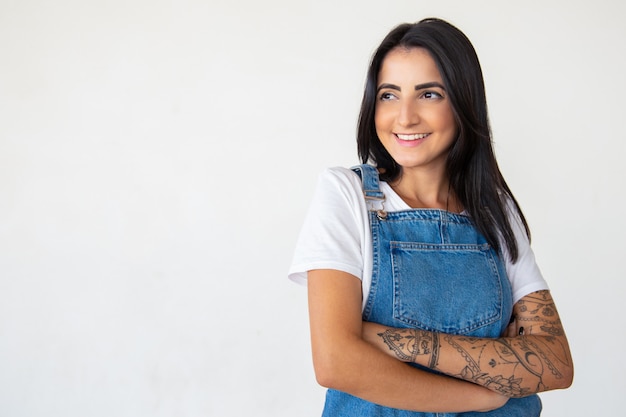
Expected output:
(516, 366)
(408, 344)
(435, 355)
(513, 366)
(490, 354)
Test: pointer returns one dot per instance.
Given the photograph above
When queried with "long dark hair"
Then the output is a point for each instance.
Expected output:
(471, 164)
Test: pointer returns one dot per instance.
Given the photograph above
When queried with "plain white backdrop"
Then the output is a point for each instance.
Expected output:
(157, 159)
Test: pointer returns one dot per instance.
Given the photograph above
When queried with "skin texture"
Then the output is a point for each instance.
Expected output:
(533, 356)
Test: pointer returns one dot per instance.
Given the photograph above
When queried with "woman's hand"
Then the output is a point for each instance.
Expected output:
(493, 400)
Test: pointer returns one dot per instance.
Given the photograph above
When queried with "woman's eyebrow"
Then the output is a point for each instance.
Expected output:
(388, 87)
(429, 85)
(417, 87)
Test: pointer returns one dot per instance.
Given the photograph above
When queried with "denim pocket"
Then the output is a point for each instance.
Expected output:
(450, 288)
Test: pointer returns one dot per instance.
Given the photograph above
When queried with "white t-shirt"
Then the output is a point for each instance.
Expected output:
(336, 235)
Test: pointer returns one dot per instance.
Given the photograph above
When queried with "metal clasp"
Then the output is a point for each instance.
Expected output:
(373, 196)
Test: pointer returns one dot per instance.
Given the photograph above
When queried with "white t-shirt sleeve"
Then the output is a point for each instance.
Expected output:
(524, 274)
(332, 234)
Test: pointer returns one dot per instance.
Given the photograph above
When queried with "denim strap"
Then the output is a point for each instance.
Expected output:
(369, 179)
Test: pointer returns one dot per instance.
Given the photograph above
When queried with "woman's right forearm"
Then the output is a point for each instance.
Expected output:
(370, 375)
(345, 361)
(363, 371)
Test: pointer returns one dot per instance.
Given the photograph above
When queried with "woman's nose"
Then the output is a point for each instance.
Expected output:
(408, 114)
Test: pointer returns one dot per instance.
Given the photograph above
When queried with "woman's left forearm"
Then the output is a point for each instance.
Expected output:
(537, 359)
(513, 366)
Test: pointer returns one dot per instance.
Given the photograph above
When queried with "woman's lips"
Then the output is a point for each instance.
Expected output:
(409, 140)
(413, 136)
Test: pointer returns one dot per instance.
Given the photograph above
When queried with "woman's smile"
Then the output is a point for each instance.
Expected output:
(412, 140)
(414, 136)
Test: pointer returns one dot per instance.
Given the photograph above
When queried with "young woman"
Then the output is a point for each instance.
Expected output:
(424, 294)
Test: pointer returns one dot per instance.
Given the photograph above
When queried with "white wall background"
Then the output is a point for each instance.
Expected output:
(157, 159)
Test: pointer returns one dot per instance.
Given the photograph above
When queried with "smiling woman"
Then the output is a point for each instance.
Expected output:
(414, 121)
(424, 293)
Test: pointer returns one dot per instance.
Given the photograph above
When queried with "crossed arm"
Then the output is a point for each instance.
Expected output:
(532, 357)
(344, 360)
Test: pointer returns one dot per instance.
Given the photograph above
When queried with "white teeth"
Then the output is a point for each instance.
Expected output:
(412, 137)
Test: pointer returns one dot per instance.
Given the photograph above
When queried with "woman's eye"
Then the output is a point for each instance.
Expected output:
(431, 95)
(386, 96)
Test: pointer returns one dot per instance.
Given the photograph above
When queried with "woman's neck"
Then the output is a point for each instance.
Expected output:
(420, 190)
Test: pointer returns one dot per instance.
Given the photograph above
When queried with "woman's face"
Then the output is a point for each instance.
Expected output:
(414, 118)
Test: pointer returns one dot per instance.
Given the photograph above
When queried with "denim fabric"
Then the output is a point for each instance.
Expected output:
(431, 270)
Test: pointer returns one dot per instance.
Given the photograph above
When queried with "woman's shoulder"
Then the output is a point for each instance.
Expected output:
(339, 178)
(339, 173)
(339, 191)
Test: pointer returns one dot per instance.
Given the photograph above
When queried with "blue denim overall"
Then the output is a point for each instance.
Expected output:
(431, 270)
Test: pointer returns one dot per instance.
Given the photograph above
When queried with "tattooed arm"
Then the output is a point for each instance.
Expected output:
(344, 361)
(533, 357)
